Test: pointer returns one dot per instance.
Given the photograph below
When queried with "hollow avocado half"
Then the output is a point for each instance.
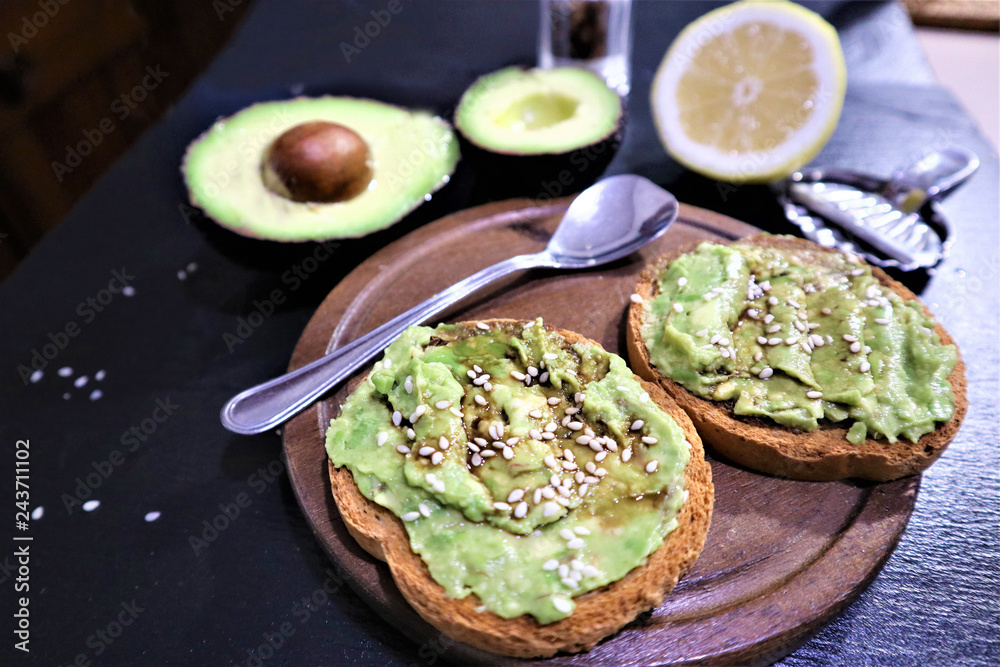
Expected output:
(233, 171)
(533, 128)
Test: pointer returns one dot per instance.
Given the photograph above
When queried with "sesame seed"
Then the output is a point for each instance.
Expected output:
(816, 340)
(826, 311)
(701, 333)
(580, 530)
(550, 565)
(774, 341)
(487, 453)
(481, 380)
(410, 516)
(627, 454)
(758, 355)
(426, 451)
(521, 510)
(850, 339)
(576, 543)
(562, 605)
(550, 508)
(855, 347)
(798, 325)
(402, 449)
(865, 366)
(549, 355)
(575, 425)
(515, 495)
(600, 472)
(583, 440)
(550, 461)
(714, 339)
(678, 308)
(476, 368)
(591, 571)
(682, 281)
(397, 418)
(857, 272)
(442, 405)
(643, 397)
(772, 300)
(503, 507)
(537, 497)
(483, 326)
(408, 385)
(882, 320)
(768, 318)
(791, 340)
(761, 340)
(424, 509)
(652, 465)
(582, 490)
(455, 411)
(635, 298)
(532, 371)
(600, 456)
(382, 437)
(554, 400)
(480, 400)
(867, 349)
(590, 479)
(437, 458)
(637, 424)
(471, 374)
(649, 440)
(411, 434)
(595, 445)
(555, 480)
(518, 375)
(550, 427)
(724, 352)
(418, 413)
(548, 435)
(477, 459)
(814, 394)
(537, 414)
(567, 534)
(508, 453)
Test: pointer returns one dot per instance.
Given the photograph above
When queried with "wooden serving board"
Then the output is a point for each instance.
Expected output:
(782, 556)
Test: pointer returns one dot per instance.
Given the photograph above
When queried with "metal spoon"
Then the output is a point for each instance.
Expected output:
(609, 220)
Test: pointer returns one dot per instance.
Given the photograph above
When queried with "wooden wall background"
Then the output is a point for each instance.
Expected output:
(64, 66)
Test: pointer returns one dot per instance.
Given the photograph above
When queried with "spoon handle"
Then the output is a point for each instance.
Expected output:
(262, 407)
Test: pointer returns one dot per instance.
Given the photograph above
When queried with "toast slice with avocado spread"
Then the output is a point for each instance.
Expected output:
(798, 360)
(528, 492)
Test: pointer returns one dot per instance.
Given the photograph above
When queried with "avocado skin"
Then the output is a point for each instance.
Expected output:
(541, 176)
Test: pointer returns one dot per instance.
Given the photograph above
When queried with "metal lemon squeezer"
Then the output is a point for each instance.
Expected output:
(895, 222)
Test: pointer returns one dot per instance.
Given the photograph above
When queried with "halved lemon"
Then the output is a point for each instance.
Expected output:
(751, 91)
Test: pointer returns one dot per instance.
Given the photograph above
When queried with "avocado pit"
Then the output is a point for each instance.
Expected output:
(317, 161)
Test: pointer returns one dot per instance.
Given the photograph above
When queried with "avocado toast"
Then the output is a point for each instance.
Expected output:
(797, 360)
(496, 523)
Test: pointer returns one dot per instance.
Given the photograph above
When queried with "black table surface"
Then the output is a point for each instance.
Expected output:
(109, 588)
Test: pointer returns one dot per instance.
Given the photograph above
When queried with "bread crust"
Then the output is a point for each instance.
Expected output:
(763, 445)
(598, 613)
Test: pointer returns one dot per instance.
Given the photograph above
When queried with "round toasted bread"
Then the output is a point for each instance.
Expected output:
(598, 613)
(766, 446)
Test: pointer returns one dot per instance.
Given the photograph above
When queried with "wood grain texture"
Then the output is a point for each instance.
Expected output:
(782, 556)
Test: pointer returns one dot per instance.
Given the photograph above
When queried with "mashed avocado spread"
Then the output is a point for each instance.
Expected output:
(798, 335)
(526, 470)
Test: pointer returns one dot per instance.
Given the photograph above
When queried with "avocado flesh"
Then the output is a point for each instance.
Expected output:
(536, 112)
(412, 155)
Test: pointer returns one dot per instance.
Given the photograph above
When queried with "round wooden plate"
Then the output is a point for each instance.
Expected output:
(782, 556)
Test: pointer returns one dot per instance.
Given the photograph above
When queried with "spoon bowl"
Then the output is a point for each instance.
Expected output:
(609, 220)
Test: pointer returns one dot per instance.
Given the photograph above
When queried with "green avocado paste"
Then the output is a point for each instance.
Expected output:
(526, 470)
(799, 335)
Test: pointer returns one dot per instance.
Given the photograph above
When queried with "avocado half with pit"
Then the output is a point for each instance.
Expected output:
(310, 169)
(540, 131)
